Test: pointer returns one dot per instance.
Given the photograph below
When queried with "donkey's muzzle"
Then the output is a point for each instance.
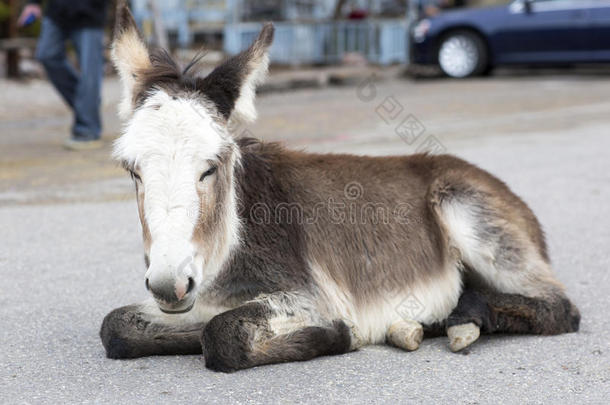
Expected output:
(172, 295)
(177, 309)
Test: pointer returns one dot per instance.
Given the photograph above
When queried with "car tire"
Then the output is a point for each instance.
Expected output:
(462, 54)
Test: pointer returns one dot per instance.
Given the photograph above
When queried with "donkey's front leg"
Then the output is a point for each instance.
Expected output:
(133, 331)
(277, 328)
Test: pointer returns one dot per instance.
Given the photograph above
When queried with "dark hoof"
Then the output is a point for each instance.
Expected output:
(574, 318)
(115, 324)
(117, 348)
(224, 345)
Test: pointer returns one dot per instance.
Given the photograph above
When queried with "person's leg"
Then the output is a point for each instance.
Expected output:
(87, 100)
(51, 52)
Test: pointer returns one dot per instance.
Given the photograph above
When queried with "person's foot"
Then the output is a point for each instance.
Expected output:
(77, 144)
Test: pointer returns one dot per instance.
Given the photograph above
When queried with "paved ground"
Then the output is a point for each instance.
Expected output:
(70, 247)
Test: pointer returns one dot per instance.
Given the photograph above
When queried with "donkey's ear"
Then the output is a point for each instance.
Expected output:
(129, 54)
(232, 85)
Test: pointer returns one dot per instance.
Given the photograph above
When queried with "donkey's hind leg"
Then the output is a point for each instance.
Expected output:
(486, 311)
(129, 332)
(514, 313)
(500, 243)
(471, 316)
(277, 328)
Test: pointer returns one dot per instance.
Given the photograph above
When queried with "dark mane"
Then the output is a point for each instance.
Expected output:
(165, 73)
(263, 150)
(248, 141)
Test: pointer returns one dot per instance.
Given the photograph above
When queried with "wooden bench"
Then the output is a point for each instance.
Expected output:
(14, 42)
(7, 44)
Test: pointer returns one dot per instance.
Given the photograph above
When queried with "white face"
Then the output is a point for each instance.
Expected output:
(182, 158)
(175, 150)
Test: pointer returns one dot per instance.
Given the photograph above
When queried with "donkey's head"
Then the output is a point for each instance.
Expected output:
(177, 147)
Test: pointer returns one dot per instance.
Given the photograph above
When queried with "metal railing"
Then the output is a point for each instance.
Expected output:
(181, 16)
(380, 41)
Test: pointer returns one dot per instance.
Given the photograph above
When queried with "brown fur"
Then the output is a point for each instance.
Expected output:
(212, 209)
(402, 221)
(365, 257)
(398, 253)
(145, 230)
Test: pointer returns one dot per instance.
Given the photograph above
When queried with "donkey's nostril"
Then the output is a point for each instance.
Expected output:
(147, 286)
(191, 285)
(182, 289)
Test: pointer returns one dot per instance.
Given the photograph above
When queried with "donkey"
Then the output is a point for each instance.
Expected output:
(356, 239)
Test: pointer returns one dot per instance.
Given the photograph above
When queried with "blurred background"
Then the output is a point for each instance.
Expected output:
(520, 88)
(444, 62)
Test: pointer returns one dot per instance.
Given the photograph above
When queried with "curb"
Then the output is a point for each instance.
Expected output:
(286, 81)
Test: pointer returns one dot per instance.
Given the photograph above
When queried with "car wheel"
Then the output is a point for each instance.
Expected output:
(462, 54)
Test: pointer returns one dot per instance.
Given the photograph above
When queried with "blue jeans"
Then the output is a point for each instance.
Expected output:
(80, 89)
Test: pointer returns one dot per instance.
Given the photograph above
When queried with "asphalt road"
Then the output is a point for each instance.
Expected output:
(64, 265)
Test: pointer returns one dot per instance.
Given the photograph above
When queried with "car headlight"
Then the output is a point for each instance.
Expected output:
(421, 29)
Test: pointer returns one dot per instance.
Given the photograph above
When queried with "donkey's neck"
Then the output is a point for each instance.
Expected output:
(264, 180)
(269, 243)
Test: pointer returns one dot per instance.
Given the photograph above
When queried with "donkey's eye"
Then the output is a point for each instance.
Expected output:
(135, 175)
(208, 172)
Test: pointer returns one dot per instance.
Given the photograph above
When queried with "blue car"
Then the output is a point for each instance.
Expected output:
(470, 42)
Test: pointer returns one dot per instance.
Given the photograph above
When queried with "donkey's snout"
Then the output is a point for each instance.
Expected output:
(170, 291)
(183, 290)
(170, 278)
